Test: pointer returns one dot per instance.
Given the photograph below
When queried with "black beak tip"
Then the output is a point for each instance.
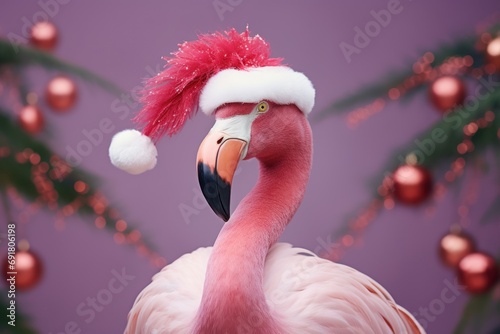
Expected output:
(225, 217)
(216, 191)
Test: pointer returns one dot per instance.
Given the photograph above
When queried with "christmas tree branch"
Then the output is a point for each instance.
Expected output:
(459, 136)
(439, 143)
(462, 47)
(475, 309)
(21, 56)
(75, 189)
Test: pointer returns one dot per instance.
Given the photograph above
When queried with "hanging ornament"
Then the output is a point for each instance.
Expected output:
(447, 92)
(44, 36)
(412, 184)
(478, 272)
(493, 53)
(28, 269)
(454, 246)
(31, 119)
(61, 93)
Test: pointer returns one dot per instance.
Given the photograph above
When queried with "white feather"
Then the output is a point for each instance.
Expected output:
(307, 294)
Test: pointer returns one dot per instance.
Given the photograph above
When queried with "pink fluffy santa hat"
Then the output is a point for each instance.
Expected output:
(204, 74)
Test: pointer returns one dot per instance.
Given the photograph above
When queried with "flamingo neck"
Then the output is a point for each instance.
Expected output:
(233, 297)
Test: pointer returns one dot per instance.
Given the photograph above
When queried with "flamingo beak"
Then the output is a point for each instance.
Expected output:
(217, 159)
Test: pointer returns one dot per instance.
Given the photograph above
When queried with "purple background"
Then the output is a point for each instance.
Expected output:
(121, 40)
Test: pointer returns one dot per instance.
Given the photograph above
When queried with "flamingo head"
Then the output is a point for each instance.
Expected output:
(264, 130)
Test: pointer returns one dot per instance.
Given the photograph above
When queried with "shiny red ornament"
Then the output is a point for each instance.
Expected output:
(412, 184)
(478, 272)
(31, 119)
(61, 93)
(447, 92)
(493, 53)
(454, 246)
(44, 36)
(28, 268)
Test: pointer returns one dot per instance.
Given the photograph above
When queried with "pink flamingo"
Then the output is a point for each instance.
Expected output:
(247, 282)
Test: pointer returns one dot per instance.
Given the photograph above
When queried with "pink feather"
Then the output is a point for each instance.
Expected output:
(171, 97)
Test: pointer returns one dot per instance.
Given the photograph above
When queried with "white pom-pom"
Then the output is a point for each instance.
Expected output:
(132, 152)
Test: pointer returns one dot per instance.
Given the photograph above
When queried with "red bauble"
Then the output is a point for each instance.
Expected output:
(454, 246)
(61, 93)
(447, 92)
(44, 36)
(31, 119)
(493, 53)
(411, 184)
(28, 268)
(478, 272)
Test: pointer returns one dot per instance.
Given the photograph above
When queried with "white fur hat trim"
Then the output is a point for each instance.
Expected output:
(279, 84)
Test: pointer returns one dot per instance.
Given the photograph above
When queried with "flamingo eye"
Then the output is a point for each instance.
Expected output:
(262, 107)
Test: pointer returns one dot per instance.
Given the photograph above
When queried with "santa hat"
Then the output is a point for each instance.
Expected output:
(204, 74)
